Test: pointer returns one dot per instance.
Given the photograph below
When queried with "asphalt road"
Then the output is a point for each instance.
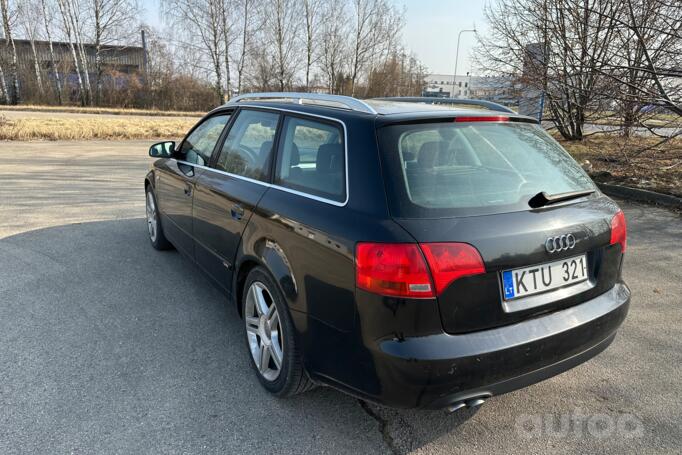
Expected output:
(108, 346)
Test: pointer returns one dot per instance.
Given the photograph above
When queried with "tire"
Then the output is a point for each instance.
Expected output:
(269, 332)
(156, 235)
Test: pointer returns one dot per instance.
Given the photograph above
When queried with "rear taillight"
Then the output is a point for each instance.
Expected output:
(400, 269)
(619, 231)
(451, 261)
(396, 269)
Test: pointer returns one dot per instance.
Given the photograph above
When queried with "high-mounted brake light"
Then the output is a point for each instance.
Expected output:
(619, 230)
(451, 261)
(400, 269)
(495, 118)
(395, 269)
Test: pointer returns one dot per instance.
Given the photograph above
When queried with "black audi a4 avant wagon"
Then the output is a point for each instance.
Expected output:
(411, 254)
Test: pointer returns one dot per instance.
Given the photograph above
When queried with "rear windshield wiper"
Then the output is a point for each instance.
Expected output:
(542, 199)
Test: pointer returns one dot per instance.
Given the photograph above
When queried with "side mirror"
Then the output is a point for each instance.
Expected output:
(162, 149)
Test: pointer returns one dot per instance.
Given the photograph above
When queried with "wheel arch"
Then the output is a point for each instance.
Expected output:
(269, 255)
(149, 180)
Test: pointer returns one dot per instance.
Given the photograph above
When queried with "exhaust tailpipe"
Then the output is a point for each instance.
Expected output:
(469, 403)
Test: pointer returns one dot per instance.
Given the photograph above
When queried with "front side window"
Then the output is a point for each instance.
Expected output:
(248, 147)
(198, 146)
(312, 159)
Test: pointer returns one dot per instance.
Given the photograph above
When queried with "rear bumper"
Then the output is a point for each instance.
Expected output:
(438, 370)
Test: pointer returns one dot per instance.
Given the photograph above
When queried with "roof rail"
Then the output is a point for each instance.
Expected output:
(338, 101)
(433, 100)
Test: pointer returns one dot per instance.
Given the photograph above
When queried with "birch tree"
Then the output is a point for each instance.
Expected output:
(47, 16)
(249, 25)
(74, 15)
(12, 92)
(68, 33)
(28, 12)
(4, 95)
(228, 33)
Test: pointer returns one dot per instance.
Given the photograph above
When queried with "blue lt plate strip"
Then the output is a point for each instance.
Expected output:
(508, 284)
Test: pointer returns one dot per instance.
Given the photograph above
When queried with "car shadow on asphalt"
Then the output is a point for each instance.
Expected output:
(99, 327)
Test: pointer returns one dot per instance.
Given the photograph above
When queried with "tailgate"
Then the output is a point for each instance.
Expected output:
(517, 240)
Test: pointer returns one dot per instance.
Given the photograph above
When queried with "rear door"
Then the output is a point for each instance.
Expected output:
(227, 193)
(176, 179)
(470, 182)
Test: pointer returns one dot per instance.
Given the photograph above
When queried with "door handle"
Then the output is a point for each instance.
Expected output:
(188, 189)
(237, 212)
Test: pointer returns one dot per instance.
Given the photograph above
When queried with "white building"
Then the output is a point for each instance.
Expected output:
(447, 86)
(498, 89)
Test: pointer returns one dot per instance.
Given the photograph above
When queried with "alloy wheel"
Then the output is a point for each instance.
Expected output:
(264, 331)
(151, 216)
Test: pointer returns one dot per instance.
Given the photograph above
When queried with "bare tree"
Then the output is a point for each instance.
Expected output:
(7, 22)
(29, 10)
(646, 69)
(559, 47)
(386, 39)
(374, 27)
(226, 18)
(349, 45)
(281, 26)
(590, 56)
(112, 19)
(250, 24)
(312, 14)
(400, 74)
(47, 16)
(74, 12)
(64, 7)
(365, 15)
(202, 22)
(4, 95)
(334, 48)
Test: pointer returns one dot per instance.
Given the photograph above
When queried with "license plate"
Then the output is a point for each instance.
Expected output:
(543, 277)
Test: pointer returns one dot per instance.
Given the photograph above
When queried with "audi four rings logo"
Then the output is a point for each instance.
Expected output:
(560, 243)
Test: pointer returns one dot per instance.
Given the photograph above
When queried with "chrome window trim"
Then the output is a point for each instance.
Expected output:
(283, 188)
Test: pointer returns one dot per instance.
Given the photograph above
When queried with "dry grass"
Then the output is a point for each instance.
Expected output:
(53, 129)
(637, 161)
(101, 110)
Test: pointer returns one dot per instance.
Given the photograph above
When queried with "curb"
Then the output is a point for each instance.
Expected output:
(636, 194)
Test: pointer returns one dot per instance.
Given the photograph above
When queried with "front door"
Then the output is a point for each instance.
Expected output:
(176, 179)
(226, 196)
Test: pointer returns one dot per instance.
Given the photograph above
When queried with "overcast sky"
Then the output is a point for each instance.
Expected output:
(431, 30)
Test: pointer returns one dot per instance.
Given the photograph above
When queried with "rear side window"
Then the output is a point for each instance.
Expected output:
(451, 169)
(247, 150)
(312, 159)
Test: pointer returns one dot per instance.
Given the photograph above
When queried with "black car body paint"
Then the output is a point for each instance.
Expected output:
(405, 352)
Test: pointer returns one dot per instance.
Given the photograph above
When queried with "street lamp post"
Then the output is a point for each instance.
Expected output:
(454, 76)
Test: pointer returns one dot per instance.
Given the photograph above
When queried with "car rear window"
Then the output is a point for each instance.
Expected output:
(459, 169)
